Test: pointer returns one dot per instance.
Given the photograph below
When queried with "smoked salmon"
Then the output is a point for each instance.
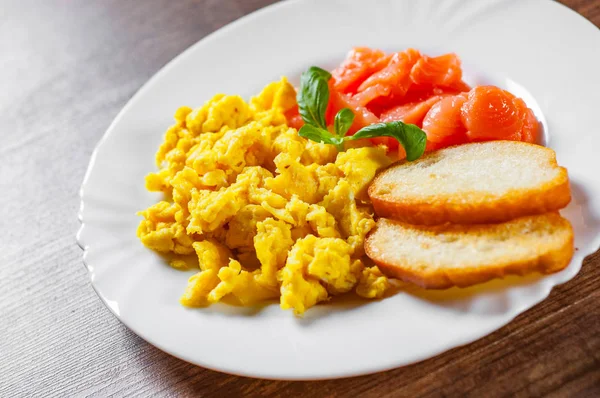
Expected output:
(396, 75)
(491, 113)
(371, 93)
(362, 116)
(443, 123)
(360, 63)
(444, 70)
(412, 113)
(428, 92)
(531, 126)
(293, 117)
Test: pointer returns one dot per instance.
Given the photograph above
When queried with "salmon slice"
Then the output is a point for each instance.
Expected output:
(412, 113)
(294, 119)
(444, 70)
(443, 124)
(412, 55)
(396, 75)
(362, 116)
(422, 92)
(461, 86)
(371, 93)
(414, 96)
(491, 113)
(360, 63)
(531, 126)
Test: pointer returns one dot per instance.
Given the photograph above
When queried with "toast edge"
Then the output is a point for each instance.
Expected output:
(550, 262)
(552, 196)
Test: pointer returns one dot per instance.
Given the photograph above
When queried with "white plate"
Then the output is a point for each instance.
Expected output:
(539, 49)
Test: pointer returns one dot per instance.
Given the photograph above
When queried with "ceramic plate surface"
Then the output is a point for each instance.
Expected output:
(540, 50)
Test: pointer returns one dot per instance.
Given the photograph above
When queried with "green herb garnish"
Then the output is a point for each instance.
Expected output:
(313, 98)
(410, 136)
(343, 121)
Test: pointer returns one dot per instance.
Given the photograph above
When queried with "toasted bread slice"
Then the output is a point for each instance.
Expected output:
(442, 256)
(473, 183)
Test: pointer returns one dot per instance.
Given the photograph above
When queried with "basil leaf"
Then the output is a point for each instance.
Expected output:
(320, 72)
(343, 121)
(319, 135)
(411, 137)
(313, 96)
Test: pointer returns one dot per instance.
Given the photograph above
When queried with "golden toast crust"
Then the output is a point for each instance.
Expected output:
(471, 207)
(548, 260)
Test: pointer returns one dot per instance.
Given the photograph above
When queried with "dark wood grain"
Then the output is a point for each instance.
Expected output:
(66, 69)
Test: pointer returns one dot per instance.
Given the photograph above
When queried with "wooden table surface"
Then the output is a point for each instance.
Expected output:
(66, 69)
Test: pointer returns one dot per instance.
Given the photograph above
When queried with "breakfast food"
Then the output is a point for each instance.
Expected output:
(269, 214)
(428, 92)
(474, 183)
(274, 197)
(492, 113)
(439, 257)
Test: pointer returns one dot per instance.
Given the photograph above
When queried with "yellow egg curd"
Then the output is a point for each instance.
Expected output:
(268, 213)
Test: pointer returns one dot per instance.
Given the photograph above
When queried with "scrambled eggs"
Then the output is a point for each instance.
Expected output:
(268, 213)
